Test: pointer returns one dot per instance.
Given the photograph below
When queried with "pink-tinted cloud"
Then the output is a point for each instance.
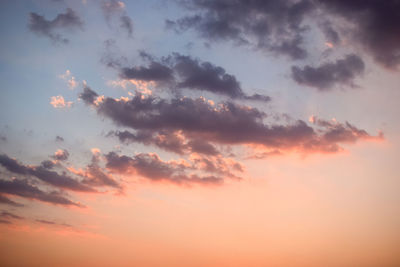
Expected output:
(59, 102)
(226, 123)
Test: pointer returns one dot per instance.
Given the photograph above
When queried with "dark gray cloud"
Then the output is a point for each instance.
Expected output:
(44, 174)
(88, 95)
(328, 75)
(48, 164)
(59, 180)
(12, 165)
(150, 166)
(154, 72)
(226, 123)
(280, 26)
(22, 188)
(205, 76)
(183, 72)
(375, 26)
(51, 28)
(169, 141)
(274, 25)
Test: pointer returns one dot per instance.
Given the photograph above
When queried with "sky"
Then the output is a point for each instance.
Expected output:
(199, 133)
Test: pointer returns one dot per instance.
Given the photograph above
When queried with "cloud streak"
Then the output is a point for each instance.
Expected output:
(22, 188)
(44, 174)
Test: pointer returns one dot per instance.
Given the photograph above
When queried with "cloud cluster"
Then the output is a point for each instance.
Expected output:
(280, 26)
(225, 123)
(70, 79)
(375, 26)
(49, 180)
(52, 28)
(201, 131)
(275, 26)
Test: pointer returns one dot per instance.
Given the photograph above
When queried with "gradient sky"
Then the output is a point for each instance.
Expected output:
(200, 133)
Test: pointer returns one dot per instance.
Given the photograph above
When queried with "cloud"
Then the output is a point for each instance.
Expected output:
(5, 200)
(127, 24)
(51, 28)
(172, 141)
(280, 26)
(47, 222)
(375, 26)
(226, 123)
(94, 175)
(59, 102)
(154, 72)
(59, 138)
(61, 154)
(150, 166)
(71, 81)
(274, 26)
(183, 72)
(9, 215)
(328, 75)
(331, 35)
(42, 173)
(113, 8)
(341, 132)
(22, 188)
(88, 95)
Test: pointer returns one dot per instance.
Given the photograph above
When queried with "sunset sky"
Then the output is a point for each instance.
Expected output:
(200, 133)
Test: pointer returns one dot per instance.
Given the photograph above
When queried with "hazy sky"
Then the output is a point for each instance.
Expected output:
(199, 133)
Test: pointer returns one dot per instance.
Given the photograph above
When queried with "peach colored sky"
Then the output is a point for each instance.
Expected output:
(147, 133)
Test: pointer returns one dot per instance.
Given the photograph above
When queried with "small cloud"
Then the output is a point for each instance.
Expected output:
(329, 45)
(59, 102)
(71, 80)
(61, 154)
(95, 151)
